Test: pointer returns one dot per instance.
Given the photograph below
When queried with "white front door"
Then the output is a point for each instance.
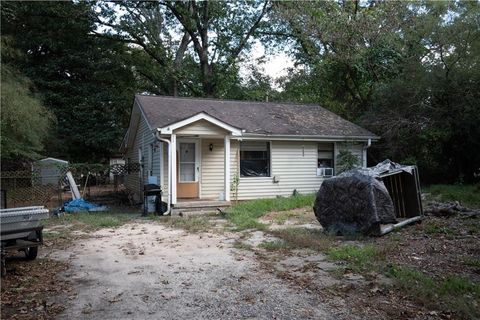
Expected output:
(188, 151)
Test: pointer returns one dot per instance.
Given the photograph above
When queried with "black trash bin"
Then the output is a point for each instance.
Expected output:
(148, 191)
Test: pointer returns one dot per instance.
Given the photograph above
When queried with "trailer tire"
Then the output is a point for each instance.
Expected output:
(31, 253)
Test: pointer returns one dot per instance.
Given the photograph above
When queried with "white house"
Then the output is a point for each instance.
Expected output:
(202, 149)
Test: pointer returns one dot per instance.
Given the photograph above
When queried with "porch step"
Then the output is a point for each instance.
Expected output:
(199, 207)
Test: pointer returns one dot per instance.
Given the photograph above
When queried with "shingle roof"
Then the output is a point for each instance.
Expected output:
(273, 118)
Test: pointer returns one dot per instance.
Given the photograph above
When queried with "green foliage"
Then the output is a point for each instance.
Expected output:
(467, 195)
(274, 245)
(405, 70)
(202, 59)
(346, 160)
(84, 80)
(358, 258)
(245, 214)
(24, 121)
(453, 293)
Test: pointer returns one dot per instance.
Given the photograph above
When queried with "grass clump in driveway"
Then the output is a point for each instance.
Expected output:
(301, 238)
(454, 293)
(274, 245)
(191, 224)
(358, 258)
(245, 214)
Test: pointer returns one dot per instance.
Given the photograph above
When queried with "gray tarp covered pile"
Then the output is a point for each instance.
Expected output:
(356, 201)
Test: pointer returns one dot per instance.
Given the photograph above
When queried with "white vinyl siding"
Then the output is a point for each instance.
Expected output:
(212, 172)
(201, 128)
(294, 164)
(143, 140)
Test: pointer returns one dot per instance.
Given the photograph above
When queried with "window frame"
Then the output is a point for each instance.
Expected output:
(269, 153)
(332, 159)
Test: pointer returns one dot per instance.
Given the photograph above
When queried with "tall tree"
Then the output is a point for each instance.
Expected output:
(83, 79)
(195, 44)
(24, 120)
(406, 70)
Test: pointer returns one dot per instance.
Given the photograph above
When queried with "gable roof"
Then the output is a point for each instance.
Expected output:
(264, 118)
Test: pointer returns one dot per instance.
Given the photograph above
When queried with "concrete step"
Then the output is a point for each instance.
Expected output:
(199, 207)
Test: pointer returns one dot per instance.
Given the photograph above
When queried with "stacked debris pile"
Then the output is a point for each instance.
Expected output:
(358, 201)
(448, 209)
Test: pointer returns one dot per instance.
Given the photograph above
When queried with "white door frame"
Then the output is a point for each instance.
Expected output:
(198, 160)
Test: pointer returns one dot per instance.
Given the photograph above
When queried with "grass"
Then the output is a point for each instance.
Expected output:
(91, 220)
(242, 245)
(245, 214)
(274, 245)
(454, 293)
(433, 228)
(300, 238)
(63, 226)
(191, 224)
(467, 195)
(472, 262)
(358, 258)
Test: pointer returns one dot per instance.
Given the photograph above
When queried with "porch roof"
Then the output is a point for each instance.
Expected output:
(252, 117)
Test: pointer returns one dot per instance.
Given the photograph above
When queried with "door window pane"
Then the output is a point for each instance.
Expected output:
(187, 162)
(187, 172)
(187, 152)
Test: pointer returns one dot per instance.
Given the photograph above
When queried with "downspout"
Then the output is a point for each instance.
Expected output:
(157, 136)
(369, 143)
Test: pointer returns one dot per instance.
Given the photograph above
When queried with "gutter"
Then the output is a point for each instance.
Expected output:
(247, 136)
(169, 195)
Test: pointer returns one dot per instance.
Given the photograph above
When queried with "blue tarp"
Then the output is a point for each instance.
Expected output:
(78, 205)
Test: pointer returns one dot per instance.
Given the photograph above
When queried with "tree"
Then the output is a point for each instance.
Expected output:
(83, 79)
(24, 121)
(196, 45)
(408, 71)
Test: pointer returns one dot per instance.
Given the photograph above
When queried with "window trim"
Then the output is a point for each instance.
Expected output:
(269, 158)
(333, 159)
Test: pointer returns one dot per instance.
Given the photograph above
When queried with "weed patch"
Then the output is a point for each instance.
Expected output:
(241, 245)
(274, 245)
(358, 258)
(299, 238)
(468, 195)
(244, 215)
(191, 224)
(455, 293)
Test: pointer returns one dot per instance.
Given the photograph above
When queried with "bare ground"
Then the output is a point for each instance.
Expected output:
(146, 270)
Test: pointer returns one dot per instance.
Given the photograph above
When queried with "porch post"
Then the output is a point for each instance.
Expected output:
(227, 168)
(173, 164)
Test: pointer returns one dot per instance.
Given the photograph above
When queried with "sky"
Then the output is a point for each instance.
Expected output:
(276, 65)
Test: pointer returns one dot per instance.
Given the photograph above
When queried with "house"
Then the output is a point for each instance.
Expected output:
(204, 149)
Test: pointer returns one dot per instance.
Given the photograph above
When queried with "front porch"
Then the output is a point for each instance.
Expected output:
(198, 160)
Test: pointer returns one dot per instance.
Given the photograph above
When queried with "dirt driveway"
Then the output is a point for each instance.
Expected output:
(146, 270)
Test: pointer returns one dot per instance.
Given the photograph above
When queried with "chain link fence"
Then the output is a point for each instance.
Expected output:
(47, 184)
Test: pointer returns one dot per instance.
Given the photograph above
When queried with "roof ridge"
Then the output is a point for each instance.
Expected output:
(234, 100)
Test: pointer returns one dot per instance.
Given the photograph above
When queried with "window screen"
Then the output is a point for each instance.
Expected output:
(254, 159)
(325, 155)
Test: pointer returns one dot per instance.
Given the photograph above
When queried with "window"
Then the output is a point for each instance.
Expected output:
(254, 159)
(325, 164)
